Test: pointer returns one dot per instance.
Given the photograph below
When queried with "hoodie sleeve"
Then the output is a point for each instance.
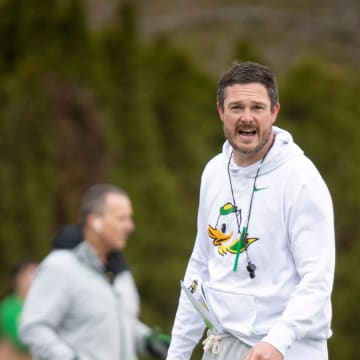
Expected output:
(127, 293)
(43, 310)
(311, 231)
(188, 326)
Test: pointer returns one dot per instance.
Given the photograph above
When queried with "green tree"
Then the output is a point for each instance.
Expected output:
(321, 109)
(79, 106)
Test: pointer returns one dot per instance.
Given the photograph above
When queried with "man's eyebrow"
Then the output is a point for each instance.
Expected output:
(259, 102)
(236, 102)
(253, 102)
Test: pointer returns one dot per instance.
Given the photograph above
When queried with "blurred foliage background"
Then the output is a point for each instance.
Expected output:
(124, 92)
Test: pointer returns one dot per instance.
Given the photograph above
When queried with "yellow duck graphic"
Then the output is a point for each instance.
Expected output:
(221, 235)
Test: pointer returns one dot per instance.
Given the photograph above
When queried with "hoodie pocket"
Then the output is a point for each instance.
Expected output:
(234, 311)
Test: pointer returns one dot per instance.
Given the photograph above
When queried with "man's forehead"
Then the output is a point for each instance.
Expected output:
(116, 201)
(255, 92)
(115, 197)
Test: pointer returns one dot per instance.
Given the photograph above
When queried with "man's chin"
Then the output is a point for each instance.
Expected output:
(121, 245)
(247, 149)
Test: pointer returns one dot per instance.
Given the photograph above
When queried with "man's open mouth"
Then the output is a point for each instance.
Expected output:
(247, 132)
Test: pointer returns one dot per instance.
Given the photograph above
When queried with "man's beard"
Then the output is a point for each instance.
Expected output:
(257, 149)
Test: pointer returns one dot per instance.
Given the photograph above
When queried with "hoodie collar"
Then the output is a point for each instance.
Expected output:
(86, 254)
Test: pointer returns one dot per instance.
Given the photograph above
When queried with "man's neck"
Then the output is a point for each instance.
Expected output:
(96, 242)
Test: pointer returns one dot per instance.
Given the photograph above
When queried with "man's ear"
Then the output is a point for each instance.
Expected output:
(95, 223)
(220, 110)
(275, 111)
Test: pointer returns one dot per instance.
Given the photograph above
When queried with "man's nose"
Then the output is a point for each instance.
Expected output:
(246, 115)
(131, 226)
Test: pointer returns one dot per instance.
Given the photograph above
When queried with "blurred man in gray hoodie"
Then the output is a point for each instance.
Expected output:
(74, 310)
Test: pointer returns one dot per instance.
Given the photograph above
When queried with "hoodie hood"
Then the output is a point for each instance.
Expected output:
(281, 151)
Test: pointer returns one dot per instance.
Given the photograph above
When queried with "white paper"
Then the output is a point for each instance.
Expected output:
(197, 295)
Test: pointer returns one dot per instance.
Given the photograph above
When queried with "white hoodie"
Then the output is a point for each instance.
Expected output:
(291, 241)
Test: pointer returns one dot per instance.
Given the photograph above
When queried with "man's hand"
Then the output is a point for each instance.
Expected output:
(158, 344)
(264, 351)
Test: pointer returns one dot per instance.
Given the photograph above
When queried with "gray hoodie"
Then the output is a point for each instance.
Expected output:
(72, 311)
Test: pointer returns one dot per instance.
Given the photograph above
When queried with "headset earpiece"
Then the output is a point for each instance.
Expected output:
(97, 225)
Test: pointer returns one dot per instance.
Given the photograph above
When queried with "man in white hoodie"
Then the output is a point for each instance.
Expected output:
(264, 249)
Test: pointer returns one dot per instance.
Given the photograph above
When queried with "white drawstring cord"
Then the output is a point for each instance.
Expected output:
(212, 342)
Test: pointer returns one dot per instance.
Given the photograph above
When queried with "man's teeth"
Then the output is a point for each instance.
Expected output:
(247, 132)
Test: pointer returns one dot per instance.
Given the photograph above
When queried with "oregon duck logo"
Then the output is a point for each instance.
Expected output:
(223, 232)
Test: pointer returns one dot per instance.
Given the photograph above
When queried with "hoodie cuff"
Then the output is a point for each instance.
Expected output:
(281, 337)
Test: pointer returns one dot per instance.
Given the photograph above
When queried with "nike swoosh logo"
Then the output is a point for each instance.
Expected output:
(261, 188)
